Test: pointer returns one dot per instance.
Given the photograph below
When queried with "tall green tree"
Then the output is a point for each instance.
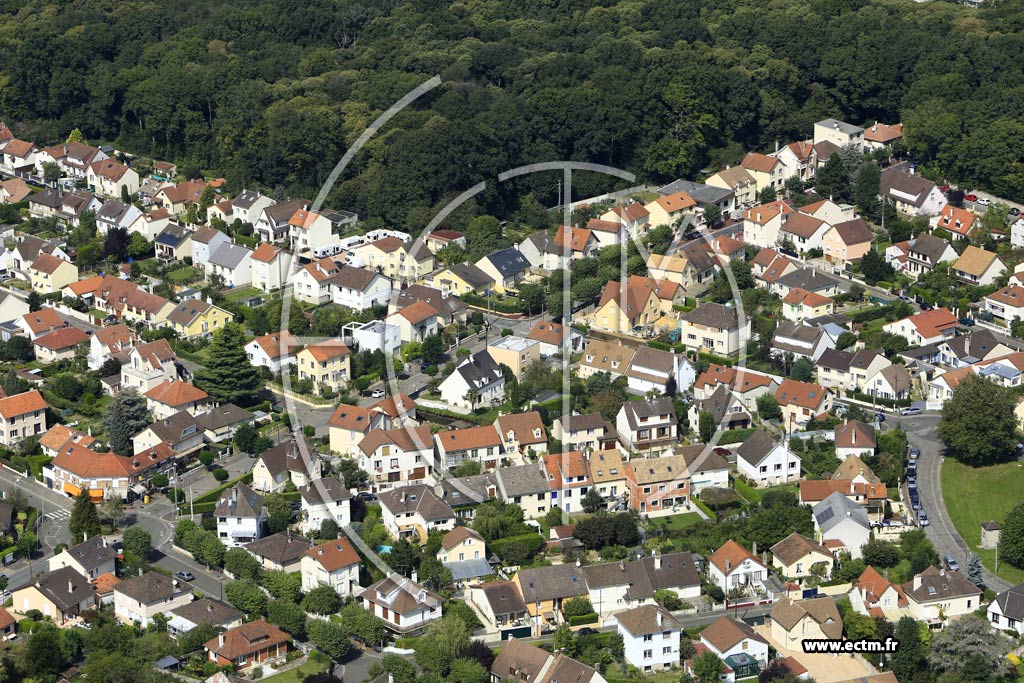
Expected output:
(442, 643)
(866, 185)
(228, 376)
(832, 179)
(137, 541)
(126, 416)
(706, 667)
(85, 521)
(978, 425)
(909, 657)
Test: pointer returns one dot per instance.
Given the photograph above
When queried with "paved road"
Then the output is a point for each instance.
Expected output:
(921, 433)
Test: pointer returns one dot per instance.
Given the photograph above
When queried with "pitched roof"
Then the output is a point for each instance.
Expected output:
(521, 660)
(797, 546)
(150, 587)
(458, 535)
(416, 498)
(853, 466)
(47, 263)
(21, 404)
(913, 188)
(239, 501)
(288, 457)
(208, 611)
(408, 439)
(282, 548)
(755, 447)
(188, 310)
(652, 470)
(730, 556)
(508, 262)
(713, 315)
(333, 555)
(175, 393)
(418, 312)
(822, 610)
(647, 619)
(855, 434)
(956, 220)
(521, 480)
(578, 238)
(65, 588)
(92, 553)
(352, 418)
(278, 344)
(802, 225)
(229, 255)
(975, 261)
(527, 428)
(934, 322)
(327, 350)
(265, 252)
(883, 132)
(939, 585)
(735, 176)
(677, 201)
(63, 338)
(246, 639)
(472, 275)
(803, 394)
(550, 583)
(762, 163)
(831, 511)
(727, 632)
(1011, 295)
(854, 231)
(801, 297)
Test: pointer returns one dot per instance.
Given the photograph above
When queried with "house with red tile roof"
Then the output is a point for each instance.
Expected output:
(480, 444)
(349, 424)
(59, 344)
(273, 351)
(251, 644)
(800, 401)
(734, 567)
(669, 209)
(767, 171)
(874, 595)
(400, 455)
(172, 396)
(762, 224)
(957, 221)
(77, 468)
(22, 415)
(925, 327)
(335, 564)
(325, 364)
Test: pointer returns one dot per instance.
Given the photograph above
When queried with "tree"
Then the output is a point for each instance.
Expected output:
(442, 643)
(592, 502)
(18, 348)
(361, 624)
(467, 671)
(329, 637)
(282, 585)
(279, 512)
(564, 639)
(246, 596)
(125, 417)
(322, 600)
(874, 268)
(706, 667)
(766, 195)
(866, 186)
(978, 425)
(433, 349)
(241, 564)
(832, 180)
(802, 370)
(880, 554)
(51, 173)
(328, 530)
(712, 215)
(34, 301)
(137, 541)
(909, 657)
(42, 656)
(974, 573)
(288, 616)
(953, 647)
(85, 521)
(221, 474)
(227, 376)
(115, 243)
(1011, 537)
(246, 437)
(706, 426)
(768, 407)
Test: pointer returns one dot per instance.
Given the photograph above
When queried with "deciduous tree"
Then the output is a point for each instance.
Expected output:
(978, 424)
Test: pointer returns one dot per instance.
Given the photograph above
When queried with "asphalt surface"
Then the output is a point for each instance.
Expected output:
(921, 433)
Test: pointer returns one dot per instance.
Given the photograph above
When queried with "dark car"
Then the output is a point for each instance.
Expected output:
(880, 417)
(915, 453)
(295, 505)
(968, 322)
(185, 576)
(586, 631)
(367, 496)
(722, 451)
(1014, 211)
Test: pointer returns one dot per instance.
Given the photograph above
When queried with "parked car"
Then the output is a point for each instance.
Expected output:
(917, 505)
(968, 322)
(377, 393)
(880, 417)
(915, 453)
(1014, 211)
(912, 478)
(984, 201)
(922, 518)
(911, 410)
(970, 197)
(586, 631)
(185, 576)
(951, 563)
(366, 496)
(723, 451)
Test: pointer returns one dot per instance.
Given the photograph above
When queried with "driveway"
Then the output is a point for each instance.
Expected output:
(922, 434)
(823, 668)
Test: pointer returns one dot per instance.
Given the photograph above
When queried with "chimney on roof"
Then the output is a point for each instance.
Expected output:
(220, 639)
(71, 586)
(836, 125)
(660, 618)
(622, 565)
(657, 561)
(917, 582)
(415, 576)
(209, 607)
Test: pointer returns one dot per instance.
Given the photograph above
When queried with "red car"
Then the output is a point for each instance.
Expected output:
(970, 197)
(944, 188)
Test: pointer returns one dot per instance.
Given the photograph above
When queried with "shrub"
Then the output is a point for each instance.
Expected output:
(583, 619)
(576, 607)
(220, 474)
(518, 549)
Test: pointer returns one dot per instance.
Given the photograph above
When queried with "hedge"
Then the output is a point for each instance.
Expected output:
(717, 360)
(867, 398)
(213, 496)
(661, 346)
(736, 435)
(707, 511)
(518, 549)
(583, 619)
(501, 306)
(745, 490)
(867, 315)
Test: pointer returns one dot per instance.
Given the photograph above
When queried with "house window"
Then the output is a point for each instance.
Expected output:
(648, 654)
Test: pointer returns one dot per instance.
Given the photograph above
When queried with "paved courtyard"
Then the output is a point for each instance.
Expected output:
(822, 668)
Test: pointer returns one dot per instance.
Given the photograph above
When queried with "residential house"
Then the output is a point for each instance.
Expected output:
(873, 595)
(349, 424)
(141, 598)
(405, 606)
(838, 133)
(846, 243)
(807, 279)
(312, 282)
(568, 476)
(107, 342)
(149, 365)
(60, 595)
(252, 644)
(864, 365)
(151, 224)
(801, 340)
(172, 396)
(196, 318)
(703, 194)
(543, 254)
(414, 512)
(415, 322)
(180, 431)
(111, 178)
(768, 266)
(584, 432)
(766, 462)
(21, 416)
(269, 267)
(705, 468)
(527, 487)
(738, 181)
(892, 383)
(602, 356)
(714, 328)
(911, 194)
(279, 552)
(516, 353)
(1006, 611)
(1007, 303)
(273, 351)
(837, 518)
(871, 496)
(634, 218)
(177, 198)
(854, 438)
(926, 251)
(272, 221)
(289, 461)
(462, 278)
(833, 369)
(14, 190)
(936, 596)
(648, 426)
(799, 557)
(955, 220)
(801, 401)
(925, 327)
(727, 410)
(241, 516)
(91, 558)
(335, 564)
(359, 289)
(222, 421)
(544, 589)
(41, 322)
(249, 205)
(522, 433)
(762, 224)
(49, 274)
(59, 345)
(669, 209)
(324, 499)
(882, 135)
(325, 364)
(578, 242)
(799, 305)
(607, 233)
(794, 621)
(115, 214)
(403, 261)
(202, 611)
(477, 381)
(105, 476)
(499, 603)
(439, 239)
(978, 267)
(798, 158)
(941, 387)
(768, 172)
(393, 456)
(658, 485)
(461, 544)
(530, 664)
(650, 636)
(57, 436)
(231, 263)
(636, 304)
(608, 474)
(174, 243)
(733, 567)
(802, 233)
(308, 230)
(19, 158)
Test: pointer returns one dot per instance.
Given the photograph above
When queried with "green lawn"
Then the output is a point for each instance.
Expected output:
(239, 293)
(678, 522)
(183, 274)
(977, 494)
(292, 675)
(670, 676)
(754, 495)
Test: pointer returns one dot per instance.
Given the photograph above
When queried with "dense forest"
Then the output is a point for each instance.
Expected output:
(272, 92)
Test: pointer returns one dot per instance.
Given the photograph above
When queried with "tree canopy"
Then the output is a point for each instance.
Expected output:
(227, 376)
(978, 424)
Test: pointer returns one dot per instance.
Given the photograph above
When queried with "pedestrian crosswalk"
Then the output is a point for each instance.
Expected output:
(57, 514)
